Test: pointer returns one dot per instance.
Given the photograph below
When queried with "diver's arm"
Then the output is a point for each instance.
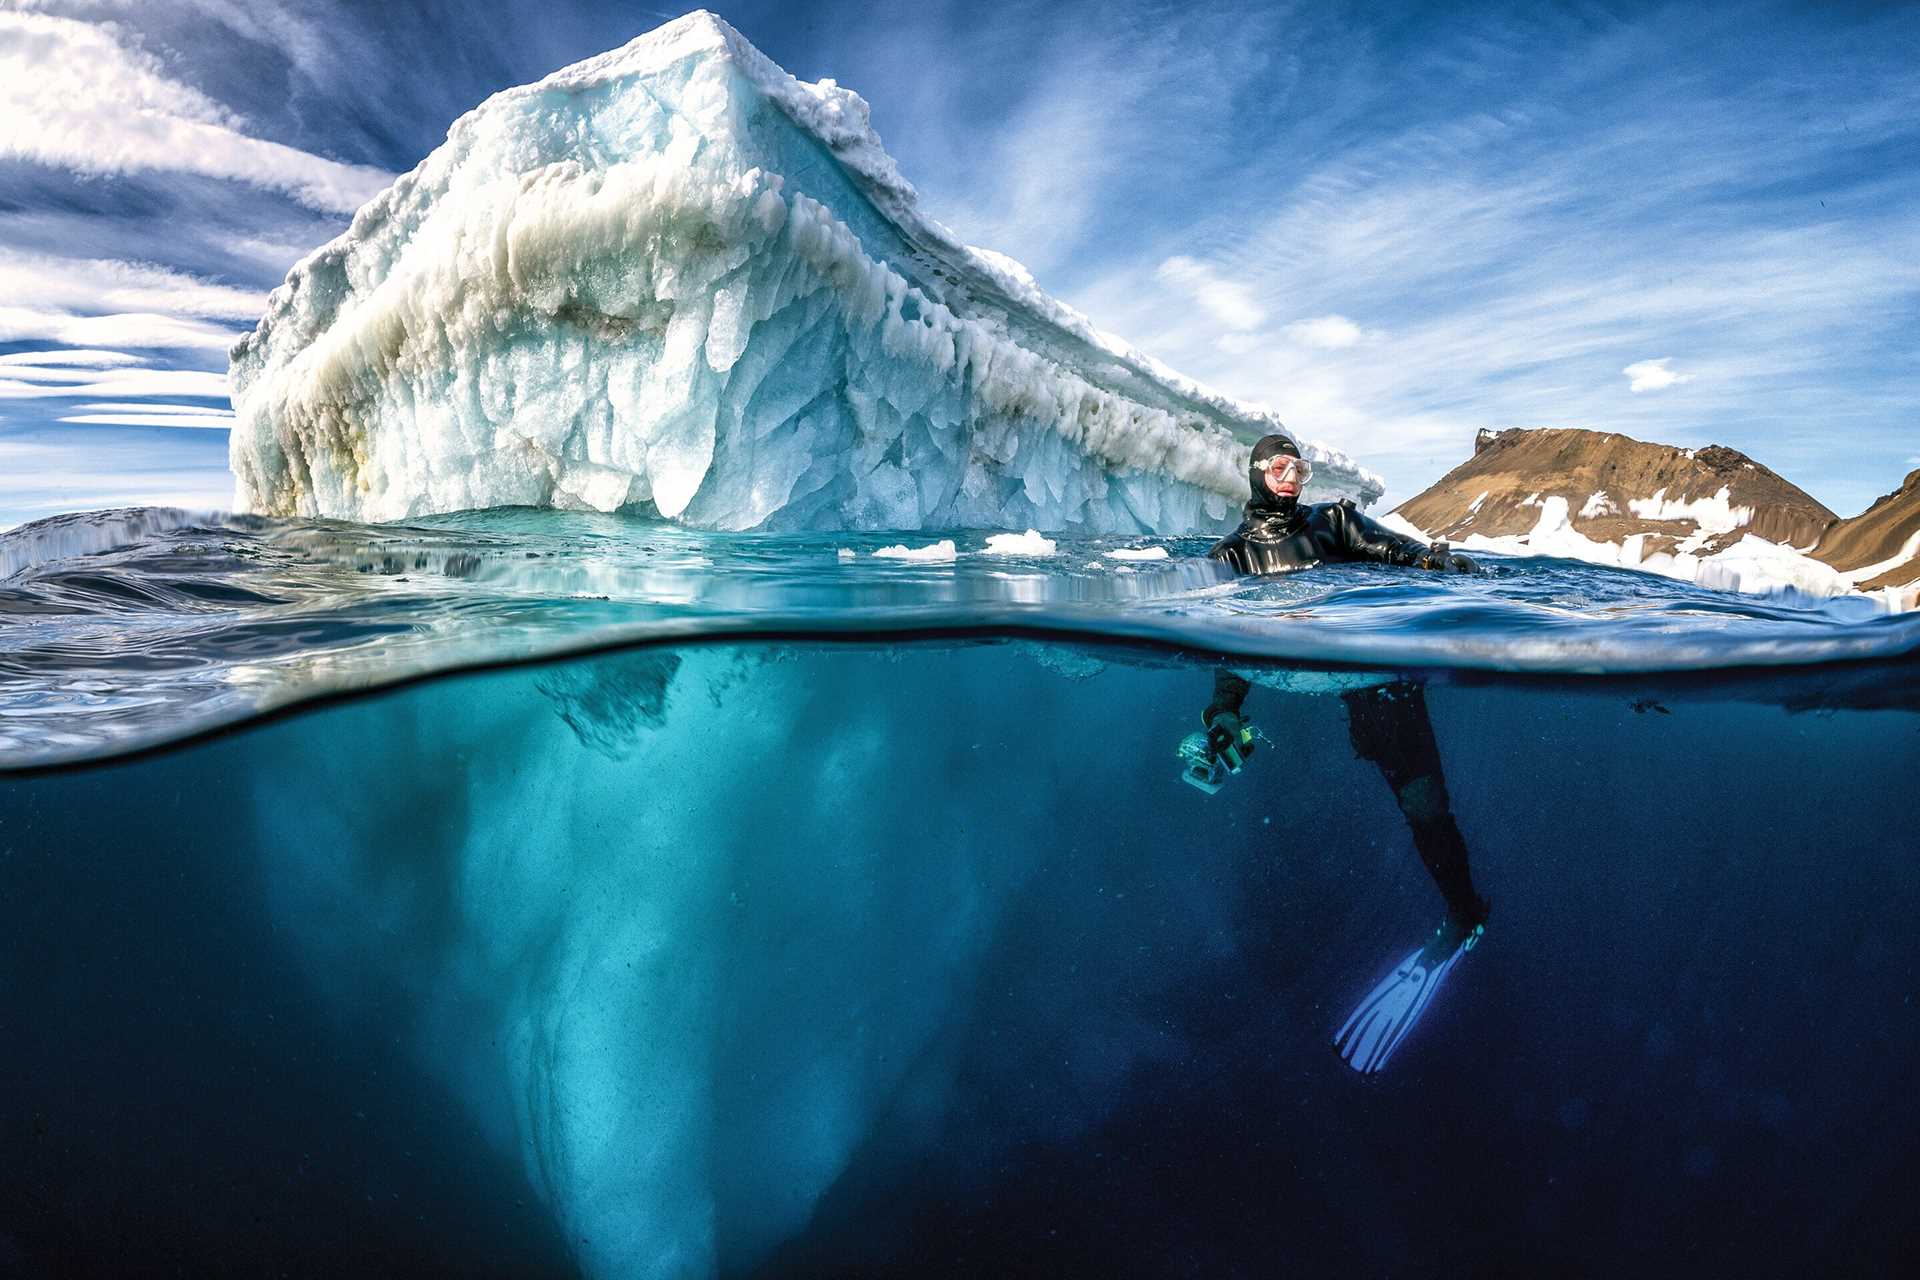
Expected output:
(1232, 551)
(1229, 738)
(1364, 539)
(1229, 692)
(1367, 539)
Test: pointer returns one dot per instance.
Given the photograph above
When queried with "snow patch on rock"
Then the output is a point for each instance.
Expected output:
(1752, 565)
(1712, 516)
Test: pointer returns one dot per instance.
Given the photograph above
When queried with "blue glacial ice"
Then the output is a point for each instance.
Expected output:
(674, 279)
(684, 1023)
(711, 945)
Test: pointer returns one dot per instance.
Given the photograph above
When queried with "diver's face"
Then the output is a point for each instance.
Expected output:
(1283, 481)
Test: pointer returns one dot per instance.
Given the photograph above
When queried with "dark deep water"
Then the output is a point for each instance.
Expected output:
(874, 932)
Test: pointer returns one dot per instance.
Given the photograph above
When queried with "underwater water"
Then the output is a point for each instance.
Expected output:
(530, 894)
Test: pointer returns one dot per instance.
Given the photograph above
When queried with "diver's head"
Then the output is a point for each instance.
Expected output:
(1277, 473)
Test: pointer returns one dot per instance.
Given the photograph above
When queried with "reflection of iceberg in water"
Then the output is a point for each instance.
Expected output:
(676, 279)
(814, 958)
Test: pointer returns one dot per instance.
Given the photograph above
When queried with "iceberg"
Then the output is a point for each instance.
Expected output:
(673, 279)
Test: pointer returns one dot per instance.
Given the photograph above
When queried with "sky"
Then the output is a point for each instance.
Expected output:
(1395, 225)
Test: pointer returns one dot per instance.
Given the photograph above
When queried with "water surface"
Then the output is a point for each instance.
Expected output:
(529, 894)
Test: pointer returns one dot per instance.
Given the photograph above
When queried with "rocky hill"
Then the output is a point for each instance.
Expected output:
(1697, 501)
(1711, 515)
(1880, 547)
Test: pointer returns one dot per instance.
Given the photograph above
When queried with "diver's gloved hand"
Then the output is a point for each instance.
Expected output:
(1229, 739)
(1440, 557)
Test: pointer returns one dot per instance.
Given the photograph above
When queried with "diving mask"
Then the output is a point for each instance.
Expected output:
(1282, 467)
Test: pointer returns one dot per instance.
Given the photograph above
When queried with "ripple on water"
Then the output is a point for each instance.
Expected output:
(128, 629)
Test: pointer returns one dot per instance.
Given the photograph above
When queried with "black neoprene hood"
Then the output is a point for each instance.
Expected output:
(1268, 447)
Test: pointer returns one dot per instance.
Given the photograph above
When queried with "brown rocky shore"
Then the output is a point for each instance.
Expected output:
(1712, 515)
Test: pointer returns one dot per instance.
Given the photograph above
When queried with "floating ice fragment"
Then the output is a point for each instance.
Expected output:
(1138, 553)
(941, 550)
(1030, 543)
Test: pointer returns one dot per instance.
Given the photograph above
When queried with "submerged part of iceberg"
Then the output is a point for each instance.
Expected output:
(840, 959)
(673, 278)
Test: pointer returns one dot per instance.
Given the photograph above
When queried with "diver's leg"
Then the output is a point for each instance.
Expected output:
(1390, 726)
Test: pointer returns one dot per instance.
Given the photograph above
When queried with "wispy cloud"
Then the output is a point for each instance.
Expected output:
(204, 421)
(88, 358)
(1327, 333)
(1042, 130)
(136, 329)
(1510, 258)
(36, 384)
(155, 407)
(109, 285)
(57, 373)
(1653, 375)
(104, 303)
(73, 95)
(1225, 300)
(298, 32)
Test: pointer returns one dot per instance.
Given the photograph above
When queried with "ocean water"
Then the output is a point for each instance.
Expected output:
(522, 893)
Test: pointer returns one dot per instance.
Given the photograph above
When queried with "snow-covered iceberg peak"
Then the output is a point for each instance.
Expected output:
(673, 277)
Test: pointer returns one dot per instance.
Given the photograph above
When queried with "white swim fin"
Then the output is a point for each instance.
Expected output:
(1375, 1029)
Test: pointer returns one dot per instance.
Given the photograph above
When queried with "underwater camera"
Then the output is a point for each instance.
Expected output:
(1208, 756)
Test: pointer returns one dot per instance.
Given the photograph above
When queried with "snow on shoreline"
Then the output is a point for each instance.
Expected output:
(1751, 566)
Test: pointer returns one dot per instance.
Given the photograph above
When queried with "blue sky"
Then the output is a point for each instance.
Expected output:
(1395, 225)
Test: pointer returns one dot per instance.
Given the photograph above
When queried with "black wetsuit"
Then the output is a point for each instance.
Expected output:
(1388, 724)
(1279, 535)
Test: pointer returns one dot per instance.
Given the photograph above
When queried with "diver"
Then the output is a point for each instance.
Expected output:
(1387, 722)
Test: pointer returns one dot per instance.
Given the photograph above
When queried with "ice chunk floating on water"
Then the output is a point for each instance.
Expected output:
(673, 278)
(941, 550)
(1030, 543)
